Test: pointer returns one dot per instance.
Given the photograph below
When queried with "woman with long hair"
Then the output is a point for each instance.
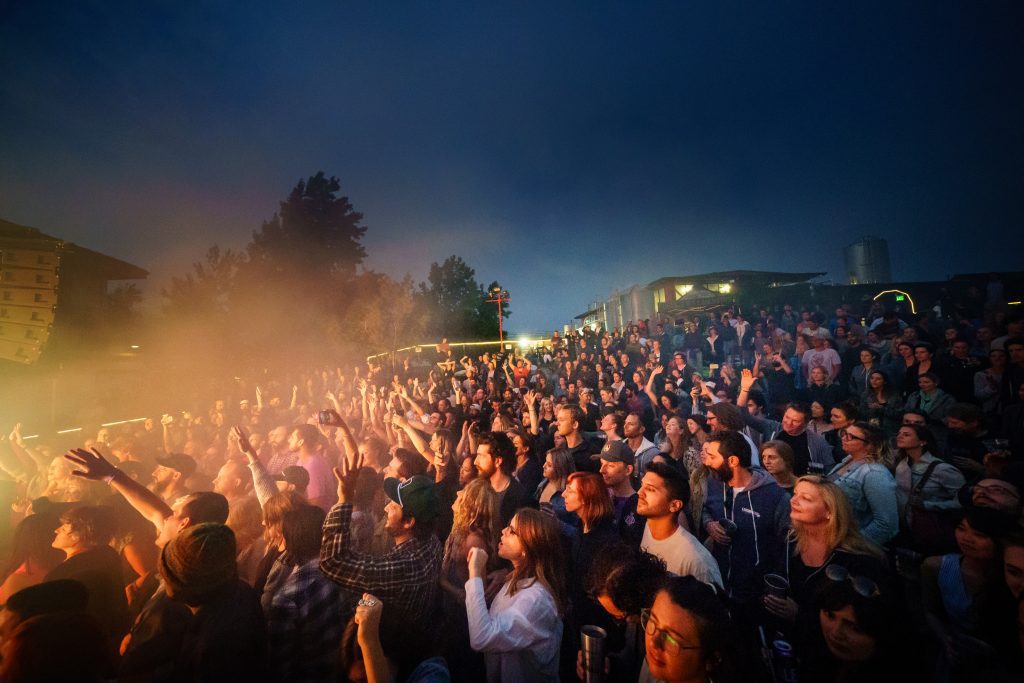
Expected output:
(558, 465)
(586, 496)
(819, 422)
(31, 556)
(679, 444)
(824, 533)
(521, 633)
(867, 483)
(880, 404)
(475, 521)
(926, 489)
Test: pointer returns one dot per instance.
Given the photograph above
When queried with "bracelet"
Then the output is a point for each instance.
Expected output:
(110, 477)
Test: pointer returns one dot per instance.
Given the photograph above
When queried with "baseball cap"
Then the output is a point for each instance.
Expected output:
(615, 451)
(294, 474)
(416, 496)
(179, 461)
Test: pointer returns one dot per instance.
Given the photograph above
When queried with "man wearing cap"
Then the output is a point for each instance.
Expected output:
(170, 475)
(406, 577)
(617, 472)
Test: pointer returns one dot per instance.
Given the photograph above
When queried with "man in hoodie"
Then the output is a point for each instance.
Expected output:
(746, 514)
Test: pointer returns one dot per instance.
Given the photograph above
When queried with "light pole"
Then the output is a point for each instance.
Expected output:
(499, 296)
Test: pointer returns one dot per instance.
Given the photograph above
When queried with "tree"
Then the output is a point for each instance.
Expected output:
(207, 289)
(457, 302)
(315, 232)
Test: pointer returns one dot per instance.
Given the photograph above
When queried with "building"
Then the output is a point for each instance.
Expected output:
(50, 288)
(867, 261)
(682, 295)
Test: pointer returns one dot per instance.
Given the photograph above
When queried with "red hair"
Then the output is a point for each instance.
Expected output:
(595, 502)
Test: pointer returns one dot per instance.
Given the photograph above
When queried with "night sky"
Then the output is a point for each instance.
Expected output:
(564, 149)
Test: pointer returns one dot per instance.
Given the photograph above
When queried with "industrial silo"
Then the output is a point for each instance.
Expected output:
(867, 261)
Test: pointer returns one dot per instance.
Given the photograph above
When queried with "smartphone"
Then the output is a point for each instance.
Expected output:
(324, 417)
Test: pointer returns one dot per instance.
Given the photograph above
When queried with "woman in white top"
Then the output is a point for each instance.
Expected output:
(521, 633)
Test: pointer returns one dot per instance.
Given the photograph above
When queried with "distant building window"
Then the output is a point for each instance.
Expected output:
(659, 298)
(683, 290)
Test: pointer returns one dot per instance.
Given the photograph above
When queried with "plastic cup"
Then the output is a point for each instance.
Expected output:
(776, 586)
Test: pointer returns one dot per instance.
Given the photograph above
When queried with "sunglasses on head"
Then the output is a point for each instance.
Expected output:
(864, 587)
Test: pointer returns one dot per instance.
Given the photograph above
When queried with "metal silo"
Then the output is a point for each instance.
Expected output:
(867, 261)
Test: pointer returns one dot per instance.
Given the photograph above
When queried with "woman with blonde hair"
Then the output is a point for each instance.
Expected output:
(867, 483)
(521, 633)
(476, 516)
(824, 533)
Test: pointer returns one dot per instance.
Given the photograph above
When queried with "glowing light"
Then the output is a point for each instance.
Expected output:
(897, 292)
(69, 431)
(1013, 303)
(524, 342)
(725, 289)
(135, 346)
(123, 422)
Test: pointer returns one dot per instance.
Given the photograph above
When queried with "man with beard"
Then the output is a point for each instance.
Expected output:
(746, 514)
(170, 475)
(496, 461)
(663, 494)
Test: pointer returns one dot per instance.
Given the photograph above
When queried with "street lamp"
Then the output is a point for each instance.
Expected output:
(499, 296)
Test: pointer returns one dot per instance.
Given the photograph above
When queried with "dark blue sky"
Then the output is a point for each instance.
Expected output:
(564, 149)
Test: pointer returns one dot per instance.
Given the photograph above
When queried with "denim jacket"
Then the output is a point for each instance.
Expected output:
(871, 490)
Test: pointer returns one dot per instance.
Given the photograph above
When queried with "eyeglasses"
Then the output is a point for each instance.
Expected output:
(865, 587)
(996, 489)
(663, 640)
(845, 434)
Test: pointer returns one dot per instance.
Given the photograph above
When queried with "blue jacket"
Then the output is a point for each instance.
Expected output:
(871, 490)
(761, 515)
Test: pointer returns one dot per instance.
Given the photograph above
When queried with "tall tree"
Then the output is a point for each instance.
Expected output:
(315, 232)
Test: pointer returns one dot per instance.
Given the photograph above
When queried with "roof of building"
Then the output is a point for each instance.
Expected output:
(14, 236)
(727, 275)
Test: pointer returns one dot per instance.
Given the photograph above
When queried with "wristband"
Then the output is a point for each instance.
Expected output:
(109, 479)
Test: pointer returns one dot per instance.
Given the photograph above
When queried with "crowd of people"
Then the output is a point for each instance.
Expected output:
(763, 495)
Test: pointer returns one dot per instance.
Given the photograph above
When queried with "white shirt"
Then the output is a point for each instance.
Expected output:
(520, 635)
(684, 555)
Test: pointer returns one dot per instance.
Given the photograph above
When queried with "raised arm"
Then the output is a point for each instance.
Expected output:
(417, 439)
(95, 467)
(649, 387)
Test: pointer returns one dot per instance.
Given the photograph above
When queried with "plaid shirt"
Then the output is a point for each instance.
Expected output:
(305, 620)
(405, 578)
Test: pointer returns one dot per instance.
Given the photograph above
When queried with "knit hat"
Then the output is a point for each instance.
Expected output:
(199, 563)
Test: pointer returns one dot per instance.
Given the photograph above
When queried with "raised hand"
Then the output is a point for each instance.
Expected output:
(746, 379)
(530, 398)
(243, 441)
(367, 616)
(477, 560)
(347, 476)
(94, 466)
